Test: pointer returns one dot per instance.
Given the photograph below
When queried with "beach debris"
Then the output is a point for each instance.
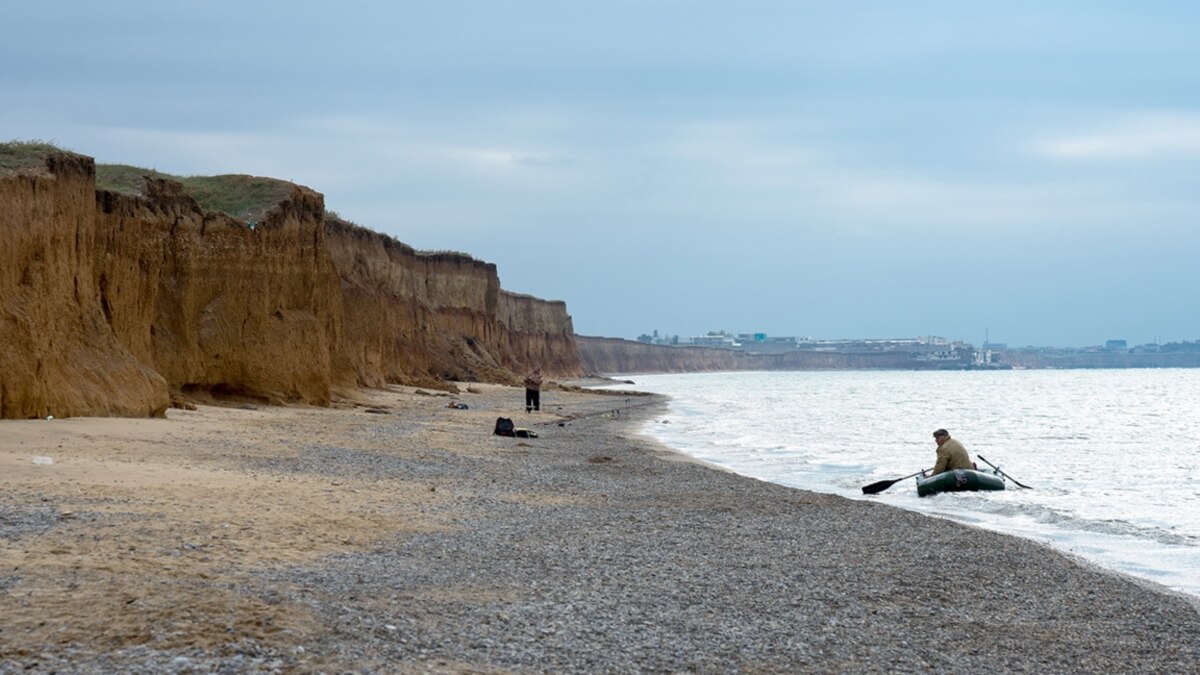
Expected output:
(39, 459)
(600, 459)
(473, 390)
(378, 411)
(182, 404)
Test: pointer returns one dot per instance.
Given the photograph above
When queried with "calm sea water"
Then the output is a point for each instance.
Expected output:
(1113, 455)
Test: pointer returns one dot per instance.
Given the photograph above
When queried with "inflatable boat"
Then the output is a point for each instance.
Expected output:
(958, 480)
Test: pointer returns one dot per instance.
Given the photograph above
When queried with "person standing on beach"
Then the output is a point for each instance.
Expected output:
(951, 454)
(533, 390)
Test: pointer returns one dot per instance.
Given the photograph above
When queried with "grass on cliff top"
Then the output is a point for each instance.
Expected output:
(19, 156)
(241, 196)
(126, 179)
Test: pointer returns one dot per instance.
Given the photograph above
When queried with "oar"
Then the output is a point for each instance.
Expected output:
(1014, 480)
(882, 485)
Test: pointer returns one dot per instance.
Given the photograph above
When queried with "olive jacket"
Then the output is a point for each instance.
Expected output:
(951, 455)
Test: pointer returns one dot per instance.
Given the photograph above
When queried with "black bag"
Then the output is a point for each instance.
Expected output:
(504, 427)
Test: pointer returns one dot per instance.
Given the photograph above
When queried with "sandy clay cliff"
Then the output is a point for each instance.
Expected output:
(118, 302)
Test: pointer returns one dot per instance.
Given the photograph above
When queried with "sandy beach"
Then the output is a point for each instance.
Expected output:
(393, 533)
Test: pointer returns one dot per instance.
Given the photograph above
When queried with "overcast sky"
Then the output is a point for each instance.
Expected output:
(827, 169)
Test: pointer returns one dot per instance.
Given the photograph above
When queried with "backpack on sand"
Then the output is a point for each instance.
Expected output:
(504, 427)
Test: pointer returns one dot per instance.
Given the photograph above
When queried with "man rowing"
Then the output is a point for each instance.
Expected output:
(951, 454)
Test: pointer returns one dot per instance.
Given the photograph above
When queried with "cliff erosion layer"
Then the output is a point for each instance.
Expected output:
(417, 315)
(112, 303)
(214, 305)
(58, 355)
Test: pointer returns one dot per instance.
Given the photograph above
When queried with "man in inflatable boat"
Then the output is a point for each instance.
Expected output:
(951, 454)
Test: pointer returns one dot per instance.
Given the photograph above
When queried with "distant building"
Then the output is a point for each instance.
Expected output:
(726, 341)
(1116, 344)
(927, 348)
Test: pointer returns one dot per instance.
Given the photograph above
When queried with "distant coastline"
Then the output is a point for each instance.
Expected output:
(603, 355)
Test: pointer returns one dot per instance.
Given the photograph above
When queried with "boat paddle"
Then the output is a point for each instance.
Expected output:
(1014, 480)
(882, 485)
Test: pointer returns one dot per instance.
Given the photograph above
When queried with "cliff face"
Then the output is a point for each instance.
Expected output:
(112, 303)
(58, 355)
(600, 355)
(538, 332)
(613, 355)
(409, 316)
(216, 306)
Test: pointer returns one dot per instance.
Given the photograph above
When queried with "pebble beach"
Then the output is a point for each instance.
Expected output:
(395, 533)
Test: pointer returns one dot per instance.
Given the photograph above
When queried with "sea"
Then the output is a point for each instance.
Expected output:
(1112, 457)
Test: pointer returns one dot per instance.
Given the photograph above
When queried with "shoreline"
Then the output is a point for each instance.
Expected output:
(1164, 565)
(410, 538)
(1149, 584)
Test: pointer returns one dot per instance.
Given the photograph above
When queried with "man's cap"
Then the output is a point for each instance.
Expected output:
(941, 432)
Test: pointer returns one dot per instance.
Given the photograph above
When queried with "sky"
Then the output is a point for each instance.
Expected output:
(1026, 172)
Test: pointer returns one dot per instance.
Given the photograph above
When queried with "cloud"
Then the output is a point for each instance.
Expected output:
(1149, 136)
(775, 176)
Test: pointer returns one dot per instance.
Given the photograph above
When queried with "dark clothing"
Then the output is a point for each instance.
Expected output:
(533, 390)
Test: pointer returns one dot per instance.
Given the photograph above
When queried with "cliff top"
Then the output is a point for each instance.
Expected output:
(241, 196)
(336, 223)
(26, 156)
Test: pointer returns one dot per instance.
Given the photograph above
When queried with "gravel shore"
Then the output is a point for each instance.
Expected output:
(591, 549)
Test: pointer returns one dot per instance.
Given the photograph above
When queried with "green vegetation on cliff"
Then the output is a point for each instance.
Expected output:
(19, 156)
(241, 196)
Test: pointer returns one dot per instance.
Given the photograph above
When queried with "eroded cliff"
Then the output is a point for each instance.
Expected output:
(58, 354)
(216, 306)
(410, 316)
(112, 302)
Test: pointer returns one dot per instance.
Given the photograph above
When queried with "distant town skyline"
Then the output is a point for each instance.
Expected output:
(804, 168)
(664, 337)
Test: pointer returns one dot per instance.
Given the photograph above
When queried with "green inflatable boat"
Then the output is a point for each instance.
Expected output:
(958, 480)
